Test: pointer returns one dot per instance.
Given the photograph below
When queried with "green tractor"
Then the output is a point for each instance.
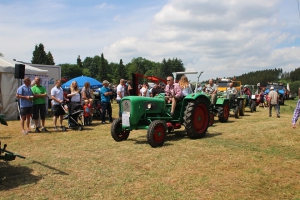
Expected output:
(236, 103)
(220, 109)
(153, 114)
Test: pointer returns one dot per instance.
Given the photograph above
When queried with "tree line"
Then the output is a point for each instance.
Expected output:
(99, 68)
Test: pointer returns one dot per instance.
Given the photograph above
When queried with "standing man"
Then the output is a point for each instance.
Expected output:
(173, 93)
(273, 101)
(120, 94)
(105, 93)
(25, 95)
(57, 95)
(39, 104)
(212, 89)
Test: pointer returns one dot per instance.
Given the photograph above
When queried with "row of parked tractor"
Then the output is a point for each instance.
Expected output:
(195, 112)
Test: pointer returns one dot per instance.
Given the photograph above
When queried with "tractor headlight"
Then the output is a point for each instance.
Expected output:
(149, 106)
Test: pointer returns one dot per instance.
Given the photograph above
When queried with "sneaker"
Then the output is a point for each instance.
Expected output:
(24, 132)
(55, 128)
(278, 116)
(44, 129)
(103, 122)
(37, 130)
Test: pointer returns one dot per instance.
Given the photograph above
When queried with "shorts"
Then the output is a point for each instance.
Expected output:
(26, 111)
(39, 109)
(58, 110)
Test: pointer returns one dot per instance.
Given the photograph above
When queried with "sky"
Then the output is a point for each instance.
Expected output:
(222, 38)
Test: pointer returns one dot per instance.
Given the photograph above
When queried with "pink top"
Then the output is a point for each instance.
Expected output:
(173, 90)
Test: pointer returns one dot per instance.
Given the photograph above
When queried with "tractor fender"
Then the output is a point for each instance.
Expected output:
(220, 101)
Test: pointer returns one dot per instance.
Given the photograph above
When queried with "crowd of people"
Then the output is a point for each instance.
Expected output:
(32, 99)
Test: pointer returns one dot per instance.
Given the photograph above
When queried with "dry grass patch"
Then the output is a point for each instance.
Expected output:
(254, 157)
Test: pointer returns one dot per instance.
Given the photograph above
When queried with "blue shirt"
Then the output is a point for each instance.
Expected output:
(104, 98)
(25, 91)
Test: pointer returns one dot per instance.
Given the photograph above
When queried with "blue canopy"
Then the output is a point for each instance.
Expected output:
(94, 84)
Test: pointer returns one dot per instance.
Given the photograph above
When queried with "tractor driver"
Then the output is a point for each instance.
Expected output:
(231, 91)
(212, 89)
(173, 93)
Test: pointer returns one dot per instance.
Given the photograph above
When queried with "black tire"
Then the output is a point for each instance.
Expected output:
(211, 118)
(224, 112)
(117, 133)
(197, 118)
(80, 128)
(252, 106)
(156, 133)
(63, 128)
(236, 112)
(242, 107)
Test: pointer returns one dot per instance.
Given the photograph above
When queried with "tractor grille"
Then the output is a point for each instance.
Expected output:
(126, 105)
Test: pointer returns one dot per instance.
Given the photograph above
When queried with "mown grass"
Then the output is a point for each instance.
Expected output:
(253, 157)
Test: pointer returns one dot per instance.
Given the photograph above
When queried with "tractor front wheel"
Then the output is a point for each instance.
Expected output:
(197, 118)
(236, 112)
(224, 112)
(156, 134)
(242, 107)
(211, 118)
(117, 133)
(252, 106)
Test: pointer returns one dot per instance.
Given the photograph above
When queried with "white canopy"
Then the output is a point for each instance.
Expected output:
(9, 86)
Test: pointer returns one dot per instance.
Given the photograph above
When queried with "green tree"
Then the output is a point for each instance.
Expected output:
(50, 60)
(1, 55)
(79, 63)
(87, 62)
(121, 71)
(39, 55)
(94, 67)
(70, 70)
(103, 69)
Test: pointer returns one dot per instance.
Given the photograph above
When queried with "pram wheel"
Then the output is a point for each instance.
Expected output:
(80, 128)
(63, 128)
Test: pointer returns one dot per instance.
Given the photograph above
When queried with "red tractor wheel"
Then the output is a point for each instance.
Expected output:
(117, 133)
(196, 118)
(156, 134)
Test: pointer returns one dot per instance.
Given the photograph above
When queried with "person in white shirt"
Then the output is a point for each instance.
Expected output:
(144, 91)
(57, 95)
(120, 94)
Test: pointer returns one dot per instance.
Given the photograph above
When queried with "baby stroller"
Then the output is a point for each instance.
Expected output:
(74, 113)
(97, 110)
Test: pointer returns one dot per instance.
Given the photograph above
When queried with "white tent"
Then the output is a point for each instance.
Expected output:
(9, 86)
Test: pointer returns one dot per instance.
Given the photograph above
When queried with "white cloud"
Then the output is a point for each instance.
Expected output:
(219, 37)
(223, 38)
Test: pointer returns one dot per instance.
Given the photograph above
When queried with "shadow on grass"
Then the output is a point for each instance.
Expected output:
(173, 136)
(49, 167)
(6, 137)
(15, 176)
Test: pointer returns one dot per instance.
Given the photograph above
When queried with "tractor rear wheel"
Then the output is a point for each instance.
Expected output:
(156, 134)
(197, 118)
(242, 107)
(236, 112)
(224, 112)
(117, 133)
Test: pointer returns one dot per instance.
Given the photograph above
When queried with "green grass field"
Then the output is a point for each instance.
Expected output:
(253, 157)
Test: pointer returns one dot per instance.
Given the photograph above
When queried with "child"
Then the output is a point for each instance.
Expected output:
(91, 111)
(86, 112)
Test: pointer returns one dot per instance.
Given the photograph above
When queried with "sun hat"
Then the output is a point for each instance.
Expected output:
(271, 88)
(105, 82)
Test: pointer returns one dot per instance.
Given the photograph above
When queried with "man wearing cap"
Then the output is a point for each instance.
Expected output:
(105, 93)
(273, 99)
